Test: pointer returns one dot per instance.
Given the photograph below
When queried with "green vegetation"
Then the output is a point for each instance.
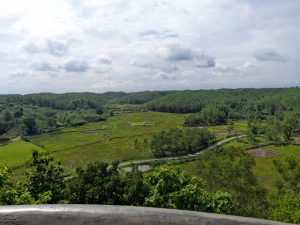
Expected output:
(97, 183)
(17, 153)
(255, 175)
(264, 168)
(114, 139)
(181, 141)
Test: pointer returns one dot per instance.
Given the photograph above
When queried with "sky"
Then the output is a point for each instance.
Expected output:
(135, 45)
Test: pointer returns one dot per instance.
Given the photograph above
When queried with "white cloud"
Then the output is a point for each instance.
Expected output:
(104, 59)
(132, 45)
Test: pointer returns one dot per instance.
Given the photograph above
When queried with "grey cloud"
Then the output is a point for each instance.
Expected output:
(168, 67)
(19, 75)
(57, 48)
(104, 59)
(43, 66)
(177, 53)
(164, 66)
(76, 66)
(225, 69)
(270, 55)
(52, 75)
(163, 34)
(32, 48)
(164, 76)
(141, 63)
(205, 61)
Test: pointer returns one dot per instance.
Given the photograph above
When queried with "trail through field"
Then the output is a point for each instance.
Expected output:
(188, 156)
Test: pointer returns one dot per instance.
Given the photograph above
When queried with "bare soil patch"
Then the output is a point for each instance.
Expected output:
(260, 152)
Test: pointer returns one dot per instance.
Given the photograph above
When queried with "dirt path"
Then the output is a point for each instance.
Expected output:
(16, 138)
(188, 156)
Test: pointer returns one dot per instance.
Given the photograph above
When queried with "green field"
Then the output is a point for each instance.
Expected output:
(114, 139)
(16, 153)
(107, 141)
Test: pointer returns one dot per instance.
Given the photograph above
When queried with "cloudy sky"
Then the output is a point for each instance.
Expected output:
(134, 45)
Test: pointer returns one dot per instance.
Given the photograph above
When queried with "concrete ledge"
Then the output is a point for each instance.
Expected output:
(115, 215)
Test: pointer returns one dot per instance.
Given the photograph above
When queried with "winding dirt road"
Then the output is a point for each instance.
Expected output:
(188, 156)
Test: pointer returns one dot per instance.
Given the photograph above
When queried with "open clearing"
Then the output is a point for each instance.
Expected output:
(221, 131)
(260, 152)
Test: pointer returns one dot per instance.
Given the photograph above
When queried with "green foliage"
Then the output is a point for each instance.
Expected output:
(286, 208)
(12, 193)
(135, 189)
(231, 170)
(286, 204)
(239, 103)
(290, 172)
(31, 125)
(181, 141)
(96, 184)
(174, 188)
(207, 117)
(45, 180)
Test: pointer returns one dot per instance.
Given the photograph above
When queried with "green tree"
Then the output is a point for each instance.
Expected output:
(45, 177)
(232, 170)
(173, 188)
(7, 116)
(285, 205)
(135, 189)
(96, 184)
(181, 141)
(31, 125)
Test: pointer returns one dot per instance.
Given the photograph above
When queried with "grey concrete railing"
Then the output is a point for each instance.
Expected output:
(115, 215)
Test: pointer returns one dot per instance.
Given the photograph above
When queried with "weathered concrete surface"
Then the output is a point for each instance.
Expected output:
(115, 215)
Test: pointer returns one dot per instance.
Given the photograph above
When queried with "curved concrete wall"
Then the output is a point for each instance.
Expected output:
(115, 215)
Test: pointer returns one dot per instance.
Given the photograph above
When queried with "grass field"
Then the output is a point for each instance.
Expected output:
(265, 169)
(111, 140)
(16, 153)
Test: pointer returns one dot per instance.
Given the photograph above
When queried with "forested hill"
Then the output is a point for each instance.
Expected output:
(67, 101)
(238, 99)
(165, 101)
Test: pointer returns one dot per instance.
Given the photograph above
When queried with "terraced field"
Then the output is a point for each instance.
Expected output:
(114, 139)
(122, 137)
